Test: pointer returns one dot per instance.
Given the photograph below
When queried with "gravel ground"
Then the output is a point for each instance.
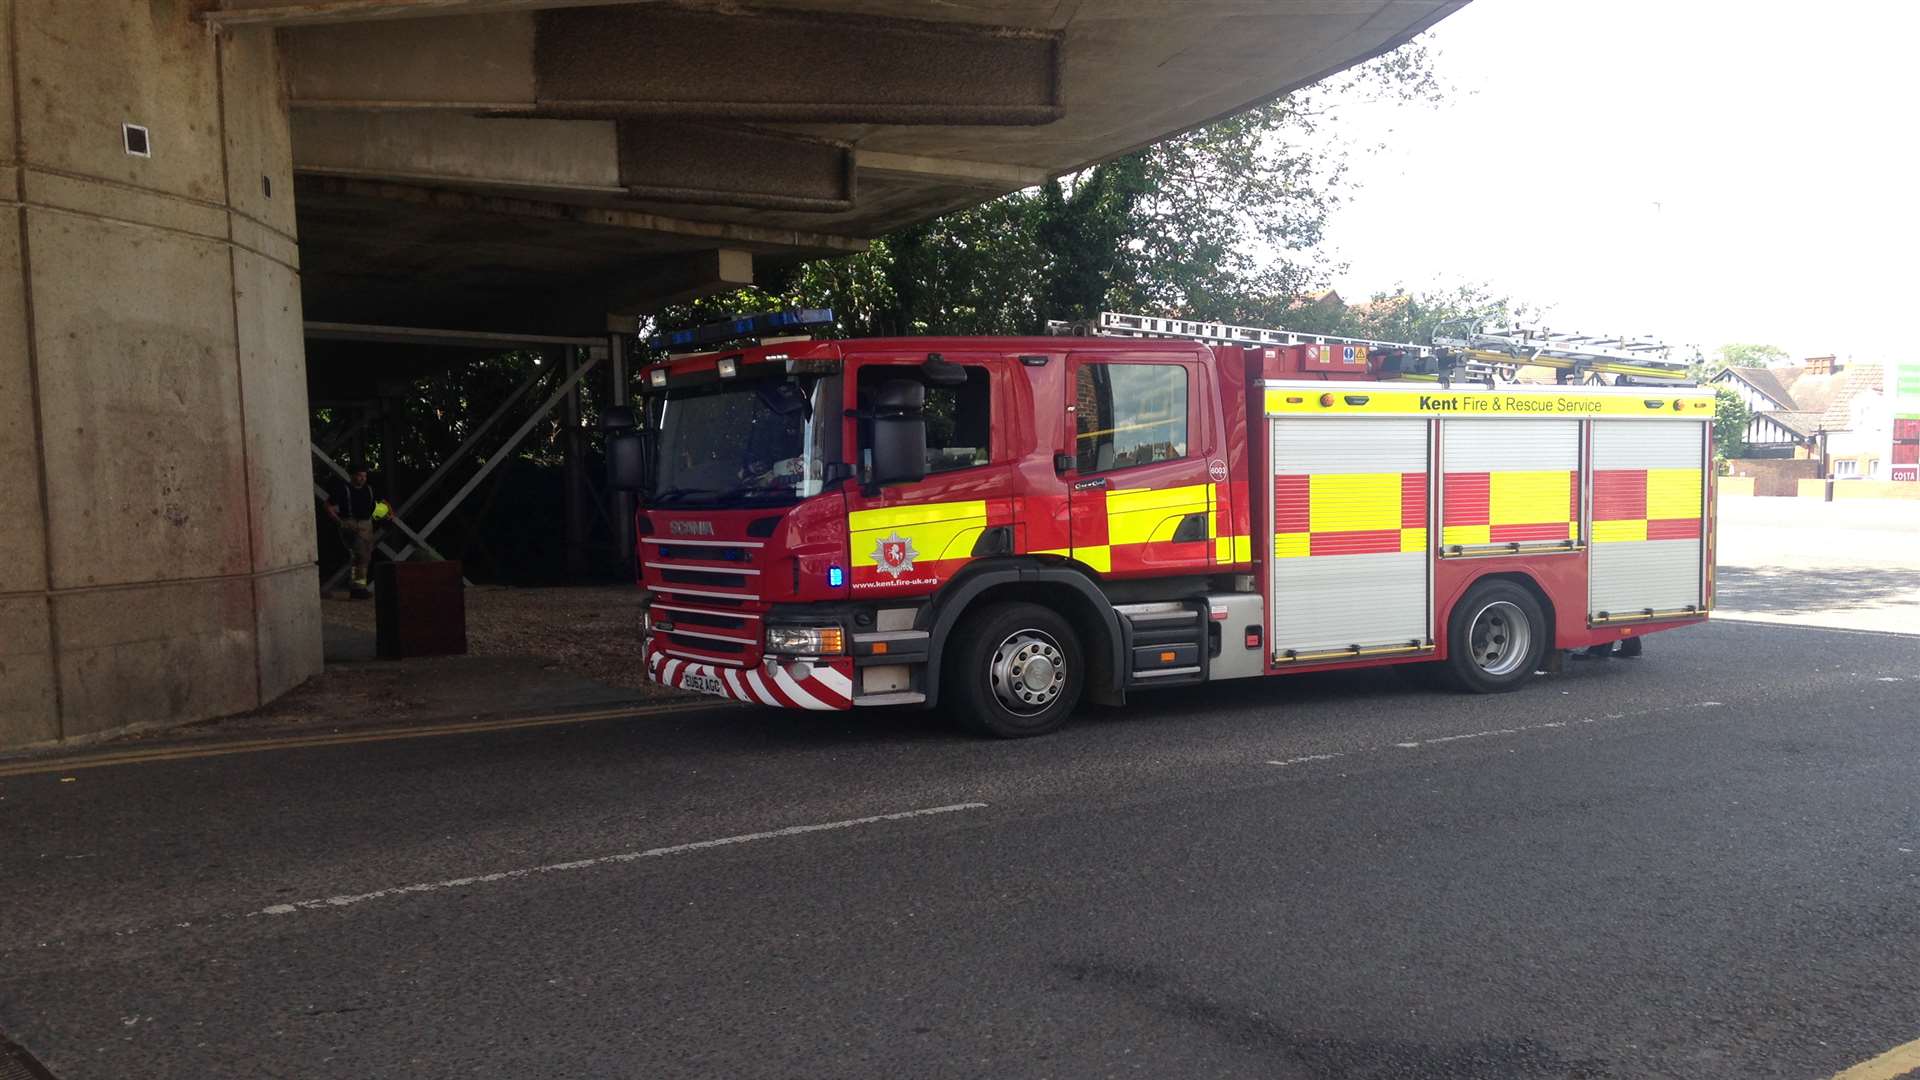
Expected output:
(529, 651)
(590, 631)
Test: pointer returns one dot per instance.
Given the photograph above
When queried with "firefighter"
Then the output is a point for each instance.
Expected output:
(353, 508)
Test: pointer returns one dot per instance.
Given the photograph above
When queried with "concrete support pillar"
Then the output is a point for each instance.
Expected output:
(156, 519)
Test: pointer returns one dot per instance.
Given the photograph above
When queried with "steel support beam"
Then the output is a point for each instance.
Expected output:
(478, 433)
(457, 339)
(620, 506)
(573, 470)
(505, 451)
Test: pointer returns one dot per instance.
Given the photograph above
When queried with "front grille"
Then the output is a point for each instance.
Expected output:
(706, 554)
(703, 644)
(667, 596)
(717, 622)
(717, 578)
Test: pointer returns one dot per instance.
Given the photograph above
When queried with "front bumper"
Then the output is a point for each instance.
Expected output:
(827, 687)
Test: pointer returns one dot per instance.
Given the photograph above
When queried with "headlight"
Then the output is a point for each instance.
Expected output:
(806, 640)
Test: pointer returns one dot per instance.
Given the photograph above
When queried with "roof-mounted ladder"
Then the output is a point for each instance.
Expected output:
(1479, 355)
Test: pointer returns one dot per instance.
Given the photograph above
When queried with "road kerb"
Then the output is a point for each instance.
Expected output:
(179, 752)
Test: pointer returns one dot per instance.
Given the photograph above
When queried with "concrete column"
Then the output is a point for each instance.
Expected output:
(156, 522)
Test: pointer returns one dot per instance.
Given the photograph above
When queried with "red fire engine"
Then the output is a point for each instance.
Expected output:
(1009, 525)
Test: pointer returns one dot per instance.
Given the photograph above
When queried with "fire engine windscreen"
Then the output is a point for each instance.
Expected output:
(754, 441)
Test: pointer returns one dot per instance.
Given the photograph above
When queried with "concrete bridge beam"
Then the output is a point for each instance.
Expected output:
(634, 61)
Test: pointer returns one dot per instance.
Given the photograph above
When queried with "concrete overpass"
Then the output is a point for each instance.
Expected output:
(188, 182)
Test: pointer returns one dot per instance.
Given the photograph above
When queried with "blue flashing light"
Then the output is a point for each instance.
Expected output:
(835, 577)
(741, 326)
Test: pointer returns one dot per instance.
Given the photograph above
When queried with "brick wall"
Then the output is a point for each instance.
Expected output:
(1774, 476)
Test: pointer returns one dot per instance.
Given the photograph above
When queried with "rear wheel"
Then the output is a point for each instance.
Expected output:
(1014, 670)
(1495, 638)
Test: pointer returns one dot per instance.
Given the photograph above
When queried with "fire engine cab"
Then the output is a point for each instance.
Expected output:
(1009, 525)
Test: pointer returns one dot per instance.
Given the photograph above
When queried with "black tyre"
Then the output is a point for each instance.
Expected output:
(1013, 670)
(1495, 638)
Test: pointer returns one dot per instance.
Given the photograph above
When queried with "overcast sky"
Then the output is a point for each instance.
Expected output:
(1705, 170)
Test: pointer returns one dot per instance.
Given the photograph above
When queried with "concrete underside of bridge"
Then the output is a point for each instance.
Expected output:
(186, 182)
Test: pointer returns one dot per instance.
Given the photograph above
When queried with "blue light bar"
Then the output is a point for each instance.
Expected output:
(835, 577)
(740, 326)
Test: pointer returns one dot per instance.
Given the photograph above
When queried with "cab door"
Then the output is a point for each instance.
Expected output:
(909, 539)
(1140, 491)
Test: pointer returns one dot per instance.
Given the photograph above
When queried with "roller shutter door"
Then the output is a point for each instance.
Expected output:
(1350, 556)
(1648, 500)
(1509, 484)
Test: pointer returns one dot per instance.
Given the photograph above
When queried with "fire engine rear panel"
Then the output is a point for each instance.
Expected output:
(1649, 485)
(1349, 556)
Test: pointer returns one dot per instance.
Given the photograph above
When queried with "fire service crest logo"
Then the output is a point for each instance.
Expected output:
(894, 554)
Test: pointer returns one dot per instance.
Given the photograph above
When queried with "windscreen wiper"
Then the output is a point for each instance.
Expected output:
(672, 494)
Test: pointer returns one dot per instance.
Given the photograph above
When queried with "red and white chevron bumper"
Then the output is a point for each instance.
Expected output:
(828, 686)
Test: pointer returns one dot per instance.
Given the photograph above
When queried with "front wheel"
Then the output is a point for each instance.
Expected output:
(1495, 638)
(1016, 670)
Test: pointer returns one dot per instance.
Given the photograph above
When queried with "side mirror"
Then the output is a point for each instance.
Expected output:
(899, 433)
(627, 466)
(626, 460)
(940, 371)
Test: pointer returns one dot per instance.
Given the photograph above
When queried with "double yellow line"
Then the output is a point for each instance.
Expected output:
(177, 752)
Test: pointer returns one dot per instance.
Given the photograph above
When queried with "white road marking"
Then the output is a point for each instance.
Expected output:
(1520, 730)
(1437, 740)
(1304, 759)
(347, 900)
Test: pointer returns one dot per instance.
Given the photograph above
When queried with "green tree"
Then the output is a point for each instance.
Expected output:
(1730, 419)
(1223, 222)
(1741, 355)
(1402, 315)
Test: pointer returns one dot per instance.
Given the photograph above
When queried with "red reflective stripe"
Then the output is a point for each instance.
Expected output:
(1573, 496)
(1292, 504)
(1413, 500)
(1508, 534)
(818, 688)
(771, 689)
(1619, 494)
(1464, 498)
(1369, 542)
(1673, 528)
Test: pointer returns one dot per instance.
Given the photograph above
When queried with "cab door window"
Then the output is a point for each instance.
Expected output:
(959, 418)
(1129, 414)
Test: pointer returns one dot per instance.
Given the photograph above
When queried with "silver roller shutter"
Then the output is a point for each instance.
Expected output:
(1633, 571)
(1503, 445)
(1329, 603)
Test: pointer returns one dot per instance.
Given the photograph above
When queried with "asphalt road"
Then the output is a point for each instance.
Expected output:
(1702, 863)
